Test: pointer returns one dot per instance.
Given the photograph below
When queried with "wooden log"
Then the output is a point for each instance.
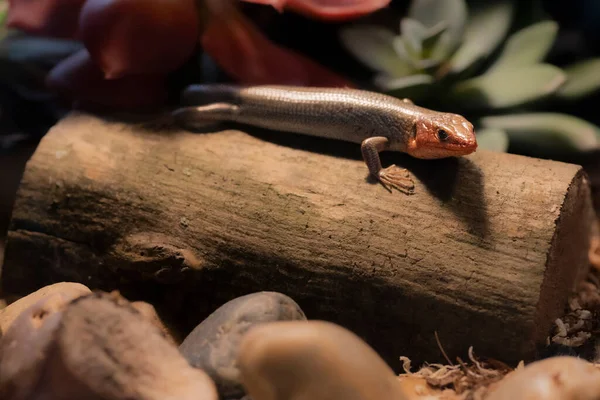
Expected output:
(484, 253)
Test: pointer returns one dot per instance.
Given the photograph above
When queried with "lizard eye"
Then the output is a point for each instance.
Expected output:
(442, 135)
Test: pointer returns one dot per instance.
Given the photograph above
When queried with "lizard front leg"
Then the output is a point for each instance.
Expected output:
(393, 175)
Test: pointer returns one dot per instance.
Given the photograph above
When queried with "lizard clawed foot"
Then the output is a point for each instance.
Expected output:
(398, 178)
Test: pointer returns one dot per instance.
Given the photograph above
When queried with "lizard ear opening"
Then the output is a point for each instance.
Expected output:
(415, 130)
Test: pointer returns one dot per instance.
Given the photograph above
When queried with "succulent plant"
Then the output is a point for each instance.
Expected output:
(463, 57)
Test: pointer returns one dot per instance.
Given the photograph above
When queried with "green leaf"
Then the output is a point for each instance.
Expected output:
(528, 46)
(508, 87)
(412, 87)
(545, 132)
(431, 39)
(583, 79)
(413, 33)
(452, 13)
(3, 14)
(373, 46)
(492, 139)
(405, 53)
(3, 11)
(487, 26)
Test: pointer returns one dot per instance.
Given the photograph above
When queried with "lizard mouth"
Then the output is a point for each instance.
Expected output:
(466, 144)
(464, 149)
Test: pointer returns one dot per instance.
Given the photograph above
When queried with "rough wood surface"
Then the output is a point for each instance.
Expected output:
(484, 253)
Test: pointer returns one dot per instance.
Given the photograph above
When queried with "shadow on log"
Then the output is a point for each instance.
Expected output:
(484, 253)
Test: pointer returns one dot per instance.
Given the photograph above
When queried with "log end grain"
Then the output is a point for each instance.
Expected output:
(567, 261)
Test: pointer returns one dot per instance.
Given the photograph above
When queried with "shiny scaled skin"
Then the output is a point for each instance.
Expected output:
(377, 121)
(343, 114)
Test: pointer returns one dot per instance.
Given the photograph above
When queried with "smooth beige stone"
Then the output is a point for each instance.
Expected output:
(70, 290)
(25, 346)
(556, 378)
(313, 360)
(417, 388)
(97, 347)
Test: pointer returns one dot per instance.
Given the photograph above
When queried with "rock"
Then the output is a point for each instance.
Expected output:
(213, 345)
(313, 360)
(148, 311)
(417, 388)
(25, 345)
(103, 348)
(564, 378)
(70, 290)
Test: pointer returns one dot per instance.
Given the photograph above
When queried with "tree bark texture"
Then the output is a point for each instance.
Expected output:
(484, 253)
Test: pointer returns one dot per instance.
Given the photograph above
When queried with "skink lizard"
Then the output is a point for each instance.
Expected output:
(378, 122)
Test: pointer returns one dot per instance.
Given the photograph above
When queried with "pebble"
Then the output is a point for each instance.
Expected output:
(95, 347)
(313, 360)
(417, 388)
(70, 290)
(26, 344)
(148, 311)
(213, 345)
(103, 335)
(564, 378)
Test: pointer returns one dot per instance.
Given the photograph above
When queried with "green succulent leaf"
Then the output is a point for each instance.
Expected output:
(374, 47)
(451, 13)
(547, 132)
(413, 33)
(528, 46)
(583, 79)
(3, 15)
(406, 54)
(508, 87)
(492, 139)
(3, 11)
(431, 39)
(413, 87)
(488, 25)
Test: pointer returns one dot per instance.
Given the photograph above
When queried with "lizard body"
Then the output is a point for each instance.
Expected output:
(377, 121)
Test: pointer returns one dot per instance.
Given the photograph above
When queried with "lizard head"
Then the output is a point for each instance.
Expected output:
(442, 135)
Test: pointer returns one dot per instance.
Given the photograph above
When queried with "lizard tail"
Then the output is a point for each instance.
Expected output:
(203, 94)
(202, 117)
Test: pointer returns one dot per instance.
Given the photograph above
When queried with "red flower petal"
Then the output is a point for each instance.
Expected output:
(57, 18)
(328, 10)
(78, 78)
(251, 58)
(139, 36)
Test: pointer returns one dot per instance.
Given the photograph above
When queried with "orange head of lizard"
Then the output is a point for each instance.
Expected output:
(440, 135)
